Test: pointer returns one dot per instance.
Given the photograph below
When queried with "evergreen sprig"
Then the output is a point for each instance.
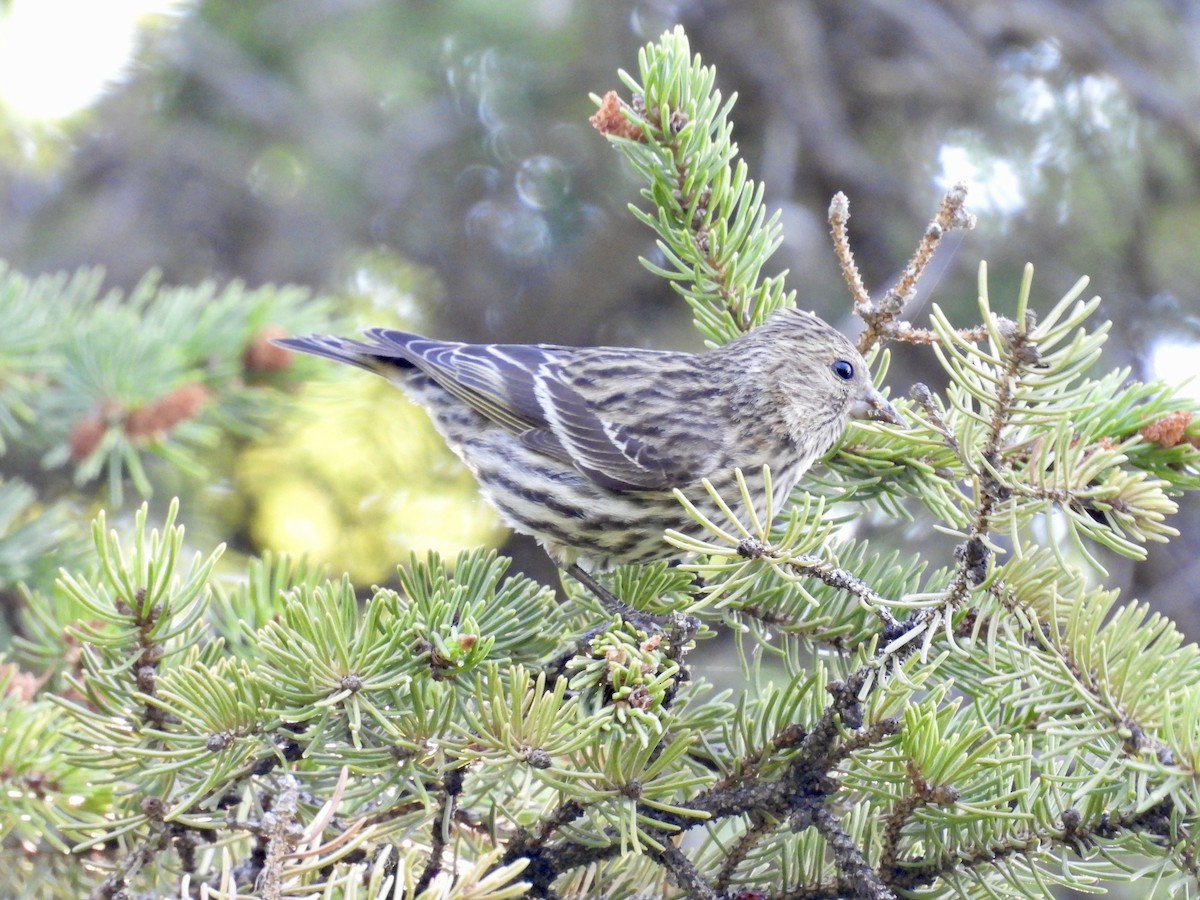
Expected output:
(101, 380)
(713, 230)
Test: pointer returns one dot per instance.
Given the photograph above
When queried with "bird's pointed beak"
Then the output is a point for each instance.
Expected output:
(873, 405)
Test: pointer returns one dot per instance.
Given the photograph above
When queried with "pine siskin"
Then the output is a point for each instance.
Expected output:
(581, 447)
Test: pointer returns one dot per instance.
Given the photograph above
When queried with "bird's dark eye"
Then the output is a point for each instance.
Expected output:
(843, 370)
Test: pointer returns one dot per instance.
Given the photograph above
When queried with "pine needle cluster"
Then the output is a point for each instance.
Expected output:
(102, 390)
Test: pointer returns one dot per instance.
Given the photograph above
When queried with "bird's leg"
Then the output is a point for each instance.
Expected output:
(680, 627)
(611, 601)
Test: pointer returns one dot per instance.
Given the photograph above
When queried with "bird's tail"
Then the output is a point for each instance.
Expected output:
(356, 353)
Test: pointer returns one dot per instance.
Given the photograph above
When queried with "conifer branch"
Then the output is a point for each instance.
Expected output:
(752, 836)
(685, 875)
(800, 791)
(859, 878)
(1074, 836)
(1094, 694)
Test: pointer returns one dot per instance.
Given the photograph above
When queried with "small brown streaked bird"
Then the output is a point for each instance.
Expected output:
(581, 447)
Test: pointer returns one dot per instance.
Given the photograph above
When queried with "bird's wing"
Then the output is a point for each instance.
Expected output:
(561, 402)
(634, 420)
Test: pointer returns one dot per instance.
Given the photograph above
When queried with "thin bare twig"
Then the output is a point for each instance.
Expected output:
(834, 576)
(685, 874)
(852, 866)
(951, 214)
(883, 318)
(839, 215)
(283, 833)
(907, 333)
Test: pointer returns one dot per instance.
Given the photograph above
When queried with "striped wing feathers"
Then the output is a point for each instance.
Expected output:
(559, 403)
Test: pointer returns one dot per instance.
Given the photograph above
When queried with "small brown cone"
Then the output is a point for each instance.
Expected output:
(261, 355)
(161, 415)
(608, 119)
(1169, 430)
(86, 435)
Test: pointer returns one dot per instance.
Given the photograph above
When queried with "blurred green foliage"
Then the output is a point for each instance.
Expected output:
(356, 477)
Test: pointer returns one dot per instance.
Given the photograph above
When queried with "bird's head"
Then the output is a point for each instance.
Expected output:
(811, 376)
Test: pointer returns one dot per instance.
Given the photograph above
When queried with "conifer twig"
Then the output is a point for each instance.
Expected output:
(452, 788)
(923, 794)
(282, 832)
(746, 842)
(141, 855)
(882, 318)
(525, 841)
(834, 576)
(853, 868)
(972, 555)
(685, 874)
(839, 219)
(713, 230)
